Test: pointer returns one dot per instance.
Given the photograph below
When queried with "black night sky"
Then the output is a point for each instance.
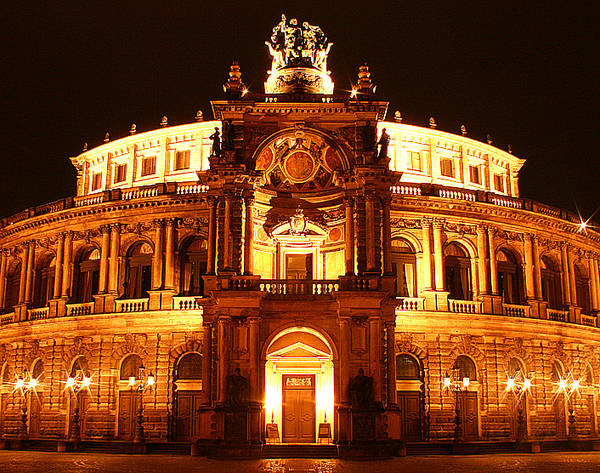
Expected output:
(525, 72)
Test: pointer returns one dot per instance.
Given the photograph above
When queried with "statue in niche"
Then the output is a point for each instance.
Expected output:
(237, 389)
(216, 143)
(368, 137)
(228, 135)
(384, 141)
(361, 390)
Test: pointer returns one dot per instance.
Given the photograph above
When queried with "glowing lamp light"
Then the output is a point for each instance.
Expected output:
(353, 93)
(131, 380)
(244, 92)
(70, 382)
(32, 383)
(526, 384)
(562, 384)
(20, 383)
(575, 385)
(150, 379)
(510, 384)
(85, 382)
(447, 382)
(466, 382)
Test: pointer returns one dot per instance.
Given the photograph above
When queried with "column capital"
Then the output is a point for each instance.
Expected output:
(439, 223)
(115, 227)
(426, 222)
(171, 221)
(158, 223)
(105, 229)
(212, 200)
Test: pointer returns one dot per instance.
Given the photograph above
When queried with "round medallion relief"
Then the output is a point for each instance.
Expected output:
(299, 166)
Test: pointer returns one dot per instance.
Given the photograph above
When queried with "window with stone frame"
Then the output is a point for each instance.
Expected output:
(148, 166)
(190, 366)
(415, 162)
(96, 181)
(475, 174)
(499, 182)
(407, 367)
(130, 367)
(447, 167)
(182, 159)
(120, 173)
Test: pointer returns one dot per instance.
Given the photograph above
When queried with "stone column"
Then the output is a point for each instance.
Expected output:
(537, 268)
(30, 273)
(227, 235)
(492, 256)
(115, 243)
(249, 237)
(349, 205)
(253, 357)
(387, 236)
(212, 231)
(58, 267)
(572, 283)
(157, 257)
(390, 328)
(438, 255)
(427, 279)
(482, 266)
(23, 275)
(564, 260)
(206, 362)
(375, 356)
(370, 231)
(594, 289)
(223, 328)
(529, 264)
(104, 252)
(170, 254)
(3, 263)
(66, 282)
(345, 341)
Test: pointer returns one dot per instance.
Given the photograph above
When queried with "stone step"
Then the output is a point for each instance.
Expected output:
(299, 451)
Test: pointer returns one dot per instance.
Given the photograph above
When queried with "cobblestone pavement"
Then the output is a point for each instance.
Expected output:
(565, 462)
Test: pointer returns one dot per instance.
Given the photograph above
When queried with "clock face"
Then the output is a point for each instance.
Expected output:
(299, 161)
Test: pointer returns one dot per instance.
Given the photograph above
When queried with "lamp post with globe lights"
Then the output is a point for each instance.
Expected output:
(75, 384)
(456, 384)
(519, 386)
(140, 384)
(25, 384)
(570, 387)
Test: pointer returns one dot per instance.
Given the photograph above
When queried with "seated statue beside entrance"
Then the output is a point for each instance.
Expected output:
(361, 390)
(237, 389)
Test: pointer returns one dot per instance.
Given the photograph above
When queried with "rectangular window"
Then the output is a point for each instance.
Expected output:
(182, 159)
(120, 172)
(475, 174)
(499, 182)
(414, 161)
(148, 166)
(447, 167)
(96, 181)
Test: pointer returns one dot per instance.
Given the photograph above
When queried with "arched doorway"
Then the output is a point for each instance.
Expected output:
(404, 267)
(129, 401)
(518, 399)
(87, 273)
(510, 277)
(457, 268)
(36, 400)
(138, 271)
(551, 282)
(409, 395)
(193, 267)
(79, 399)
(299, 395)
(560, 402)
(5, 390)
(188, 396)
(464, 367)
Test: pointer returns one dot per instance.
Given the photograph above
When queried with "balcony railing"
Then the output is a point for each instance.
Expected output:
(186, 303)
(313, 287)
(410, 303)
(464, 307)
(84, 308)
(38, 314)
(516, 310)
(558, 315)
(588, 320)
(131, 305)
(7, 318)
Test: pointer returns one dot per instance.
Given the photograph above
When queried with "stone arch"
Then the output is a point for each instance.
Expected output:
(467, 245)
(405, 344)
(78, 349)
(131, 345)
(289, 327)
(512, 249)
(411, 239)
(187, 236)
(516, 350)
(191, 344)
(466, 347)
(128, 243)
(83, 248)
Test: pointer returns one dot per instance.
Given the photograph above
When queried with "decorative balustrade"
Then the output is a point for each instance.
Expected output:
(186, 303)
(588, 320)
(38, 314)
(505, 201)
(295, 287)
(464, 307)
(84, 308)
(410, 303)
(406, 189)
(448, 193)
(191, 188)
(546, 210)
(516, 310)
(7, 318)
(131, 305)
(558, 315)
(139, 193)
(88, 200)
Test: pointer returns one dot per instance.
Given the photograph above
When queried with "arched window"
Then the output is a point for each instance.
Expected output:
(514, 368)
(44, 281)
(190, 366)
(510, 277)
(130, 367)
(465, 368)
(582, 287)
(87, 274)
(138, 271)
(589, 376)
(13, 277)
(551, 282)
(37, 372)
(457, 267)
(79, 366)
(404, 265)
(4, 375)
(407, 367)
(557, 372)
(193, 267)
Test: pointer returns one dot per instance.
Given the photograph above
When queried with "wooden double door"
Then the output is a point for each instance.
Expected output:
(469, 415)
(299, 409)
(186, 415)
(411, 417)
(129, 404)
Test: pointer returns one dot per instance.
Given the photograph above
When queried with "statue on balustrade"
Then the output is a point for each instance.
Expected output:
(384, 141)
(216, 143)
(238, 390)
(361, 390)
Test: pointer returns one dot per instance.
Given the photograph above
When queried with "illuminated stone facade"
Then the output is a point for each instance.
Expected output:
(312, 240)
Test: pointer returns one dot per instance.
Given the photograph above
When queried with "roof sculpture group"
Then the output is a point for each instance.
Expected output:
(294, 45)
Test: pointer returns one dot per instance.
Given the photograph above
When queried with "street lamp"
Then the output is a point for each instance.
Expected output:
(456, 384)
(25, 384)
(519, 386)
(140, 384)
(75, 384)
(570, 387)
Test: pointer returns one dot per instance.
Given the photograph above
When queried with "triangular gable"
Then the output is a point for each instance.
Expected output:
(298, 350)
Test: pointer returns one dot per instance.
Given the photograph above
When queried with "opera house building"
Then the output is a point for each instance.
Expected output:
(298, 270)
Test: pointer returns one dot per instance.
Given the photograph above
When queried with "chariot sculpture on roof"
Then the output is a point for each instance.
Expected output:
(294, 45)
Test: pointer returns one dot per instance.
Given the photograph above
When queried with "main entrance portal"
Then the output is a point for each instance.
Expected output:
(299, 386)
